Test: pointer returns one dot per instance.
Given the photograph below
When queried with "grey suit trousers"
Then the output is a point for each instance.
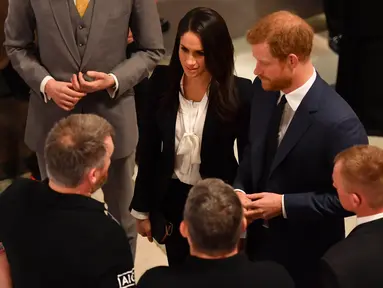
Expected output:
(118, 193)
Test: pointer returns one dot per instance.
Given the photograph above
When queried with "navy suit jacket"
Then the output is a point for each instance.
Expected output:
(323, 125)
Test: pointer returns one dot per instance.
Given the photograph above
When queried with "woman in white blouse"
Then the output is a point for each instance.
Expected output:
(197, 110)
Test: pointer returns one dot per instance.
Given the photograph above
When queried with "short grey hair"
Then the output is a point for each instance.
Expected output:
(75, 145)
(213, 214)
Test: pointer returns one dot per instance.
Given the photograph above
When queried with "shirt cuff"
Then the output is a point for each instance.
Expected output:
(139, 215)
(283, 207)
(112, 91)
(42, 88)
(239, 190)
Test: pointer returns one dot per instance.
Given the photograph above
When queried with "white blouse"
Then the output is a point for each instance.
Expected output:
(189, 129)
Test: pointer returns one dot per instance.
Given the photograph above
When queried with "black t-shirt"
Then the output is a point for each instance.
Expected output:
(236, 271)
(60, 240)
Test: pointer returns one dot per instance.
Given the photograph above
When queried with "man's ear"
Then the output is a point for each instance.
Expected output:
(244, 224)
(184, 229)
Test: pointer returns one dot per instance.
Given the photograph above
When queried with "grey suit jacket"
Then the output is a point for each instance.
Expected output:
(57, 55)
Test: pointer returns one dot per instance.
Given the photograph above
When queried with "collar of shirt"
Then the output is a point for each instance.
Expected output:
(366, 219)
(295, 97)
(205, 97)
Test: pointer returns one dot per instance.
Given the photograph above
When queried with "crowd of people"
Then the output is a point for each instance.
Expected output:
(304, 162)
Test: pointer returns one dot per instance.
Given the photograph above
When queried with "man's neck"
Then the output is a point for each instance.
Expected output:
(368, 212)
(201, 255)
(65, 190)
(302, 75)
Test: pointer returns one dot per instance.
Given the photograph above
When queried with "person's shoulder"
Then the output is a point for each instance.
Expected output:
(154, 276)
(244, 88)
(20, 188)
(270, 274)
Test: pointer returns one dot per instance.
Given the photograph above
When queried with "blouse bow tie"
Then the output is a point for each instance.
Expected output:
(189, 148)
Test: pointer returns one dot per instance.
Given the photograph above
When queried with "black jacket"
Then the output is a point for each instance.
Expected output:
(157, 142)
(357, 261)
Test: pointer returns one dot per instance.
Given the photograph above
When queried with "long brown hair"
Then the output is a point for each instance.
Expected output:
(219, 59)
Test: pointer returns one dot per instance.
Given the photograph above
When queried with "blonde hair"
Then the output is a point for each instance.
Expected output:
(362, 166)
(285, 33)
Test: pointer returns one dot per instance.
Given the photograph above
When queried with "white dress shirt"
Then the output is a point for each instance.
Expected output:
(366, 219)
(111, 91)
(190, 122)
(293, 99)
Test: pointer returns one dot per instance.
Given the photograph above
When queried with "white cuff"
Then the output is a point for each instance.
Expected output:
(283, 207)
(112, 91)
(139, 215)
(42, 88)
(239, 190)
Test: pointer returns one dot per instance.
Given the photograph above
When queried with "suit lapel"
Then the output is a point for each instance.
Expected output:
(62, 17)
(299, 124)
(261, 115)
(209, 131)
(99, 19)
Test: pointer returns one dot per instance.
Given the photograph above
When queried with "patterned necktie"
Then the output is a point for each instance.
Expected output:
(81, 6)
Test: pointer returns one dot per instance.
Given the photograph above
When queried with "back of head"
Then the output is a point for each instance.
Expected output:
(213, 215)
(361, 174)
(285, 33)
(75, 145)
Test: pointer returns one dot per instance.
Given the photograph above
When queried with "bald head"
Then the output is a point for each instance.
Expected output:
(285, 33)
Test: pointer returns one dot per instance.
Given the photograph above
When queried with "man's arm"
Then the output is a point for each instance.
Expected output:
(317, 204)
(146, 28)
(19, 43)
(5, 275)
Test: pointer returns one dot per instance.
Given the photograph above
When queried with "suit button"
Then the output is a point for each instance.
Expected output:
(80, 45)
(80, 27)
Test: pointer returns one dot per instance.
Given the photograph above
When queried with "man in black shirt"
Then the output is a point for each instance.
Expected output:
(54, 233)
(213, 222)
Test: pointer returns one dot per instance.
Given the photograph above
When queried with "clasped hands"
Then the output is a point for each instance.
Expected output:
(265, 205)
(67, 94)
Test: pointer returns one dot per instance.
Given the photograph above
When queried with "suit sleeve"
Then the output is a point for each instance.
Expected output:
(150, 147)
(146, 28)
(243, 181)
(317, 204)
(20, 44)
(327, 278)
(245, 94)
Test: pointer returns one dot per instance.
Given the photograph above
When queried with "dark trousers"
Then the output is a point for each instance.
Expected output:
(177, 247)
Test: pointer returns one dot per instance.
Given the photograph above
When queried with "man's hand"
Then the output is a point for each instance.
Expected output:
(63, 94)
(130, 37)
(101, 81)
(144, 228)
(243, 198)
(263, 206)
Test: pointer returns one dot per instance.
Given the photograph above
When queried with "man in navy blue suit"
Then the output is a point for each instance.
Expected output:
(298, 125)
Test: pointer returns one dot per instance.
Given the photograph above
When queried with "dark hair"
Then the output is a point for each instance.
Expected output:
(219, 59)
(213, 214)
